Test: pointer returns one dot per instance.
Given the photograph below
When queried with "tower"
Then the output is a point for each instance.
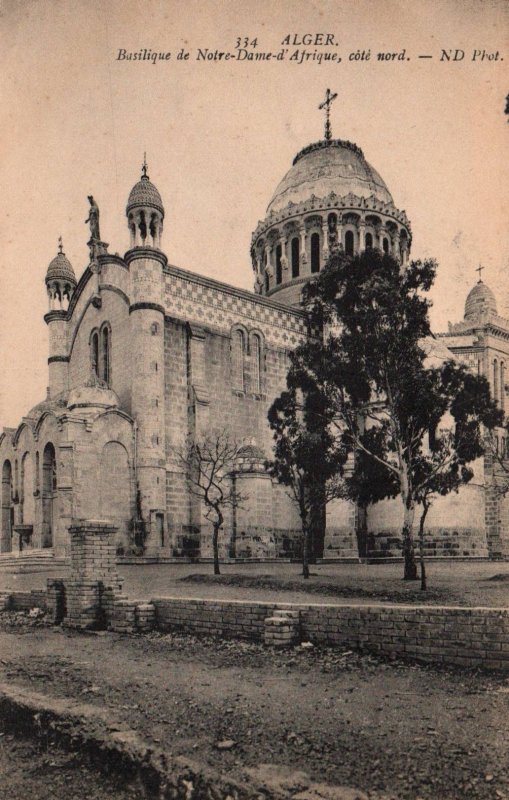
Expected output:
(60, 284)
(146, 262)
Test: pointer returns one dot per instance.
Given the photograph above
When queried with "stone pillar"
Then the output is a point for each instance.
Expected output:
(325, 242)
(94, 583)
(199, 398)
(362, 235)
(268, 264)
(395, 247)
(339, 232)
(303, 237)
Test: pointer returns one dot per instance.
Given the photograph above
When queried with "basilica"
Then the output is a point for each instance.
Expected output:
(143, 353)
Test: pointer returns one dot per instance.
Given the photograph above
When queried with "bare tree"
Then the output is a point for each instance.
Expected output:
(210, 464)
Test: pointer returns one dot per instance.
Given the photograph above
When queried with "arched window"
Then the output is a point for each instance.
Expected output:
(349, 243)
(256, 353)
(267, 283)
(385, 245)
(295, 257)
(105, 354)
(49, 487)
(94, 352)
(495, 381)
(315, 252)
(7, 509)
(369, 241)
(279, 267)
(502, 386)
(238, 360)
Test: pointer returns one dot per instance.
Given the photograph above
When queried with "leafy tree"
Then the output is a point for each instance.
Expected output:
(371, 366)
(210, 465)
(308, 458)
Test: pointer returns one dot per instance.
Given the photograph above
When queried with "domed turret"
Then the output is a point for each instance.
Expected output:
(330, 200)
(480, 303)
(60, 280)
(145, 212)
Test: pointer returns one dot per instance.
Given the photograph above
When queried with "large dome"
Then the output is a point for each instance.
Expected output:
(329, 166)
(480, 302)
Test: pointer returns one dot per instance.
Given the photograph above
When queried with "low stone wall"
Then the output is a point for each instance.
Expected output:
(231, 619)
(467, 637)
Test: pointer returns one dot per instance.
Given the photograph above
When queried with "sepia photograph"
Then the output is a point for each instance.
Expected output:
(254, 399)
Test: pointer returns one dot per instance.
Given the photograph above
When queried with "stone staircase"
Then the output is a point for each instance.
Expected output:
(29, 561)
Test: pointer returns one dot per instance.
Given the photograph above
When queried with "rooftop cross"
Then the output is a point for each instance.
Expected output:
(60, 245)
(479, 270)
(329, 98)
(144, 166)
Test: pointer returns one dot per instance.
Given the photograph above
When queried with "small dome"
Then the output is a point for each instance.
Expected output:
(144, 193)
(60, 268)
(92, 396)
(480, 302)
(250, 451)
(329, 166)
(56, 405)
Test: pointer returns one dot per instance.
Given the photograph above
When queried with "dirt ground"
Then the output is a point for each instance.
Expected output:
(450, 583)
(30, 772)
(399, 730)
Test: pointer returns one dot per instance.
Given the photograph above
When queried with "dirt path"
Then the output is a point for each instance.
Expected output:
(29, 772)
(402, 730)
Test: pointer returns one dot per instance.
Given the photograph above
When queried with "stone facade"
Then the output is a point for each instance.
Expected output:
(143, 353)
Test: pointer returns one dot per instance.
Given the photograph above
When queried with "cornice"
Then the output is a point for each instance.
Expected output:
(147, 307)
(146, 252)
(51, 316)
(332, 202)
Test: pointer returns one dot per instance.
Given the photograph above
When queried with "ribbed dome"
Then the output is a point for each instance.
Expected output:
(329, 166)
(144, 193)
(60, 268)
(480, 302)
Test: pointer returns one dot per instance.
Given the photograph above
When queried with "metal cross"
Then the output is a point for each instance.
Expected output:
(144, 167)
(479, 270)
(60, 245)
(329, 97)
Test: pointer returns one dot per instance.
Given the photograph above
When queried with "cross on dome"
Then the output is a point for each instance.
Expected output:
(329, 98)
(144, 167)
(60, 245)
(479, 270)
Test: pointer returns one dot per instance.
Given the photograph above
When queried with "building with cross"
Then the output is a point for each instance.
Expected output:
(143, 352)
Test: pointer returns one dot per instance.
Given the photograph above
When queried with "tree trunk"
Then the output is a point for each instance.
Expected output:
(362, 532)
(306, 550)
(215, 547)
(421, 546)
(410, 573)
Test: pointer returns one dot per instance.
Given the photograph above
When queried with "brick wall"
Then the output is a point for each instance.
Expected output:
(467, 637)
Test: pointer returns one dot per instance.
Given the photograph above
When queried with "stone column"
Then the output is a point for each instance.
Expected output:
(362, 235)
(303, 237)
(381, 231)
(284, 257)
(325, 242)
(94, 583)
(404, 252)
(339, 230)
(395, 246)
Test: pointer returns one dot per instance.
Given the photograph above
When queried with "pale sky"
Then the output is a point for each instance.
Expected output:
(220, 135)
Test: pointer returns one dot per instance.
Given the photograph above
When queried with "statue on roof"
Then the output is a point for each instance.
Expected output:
(93, 219)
